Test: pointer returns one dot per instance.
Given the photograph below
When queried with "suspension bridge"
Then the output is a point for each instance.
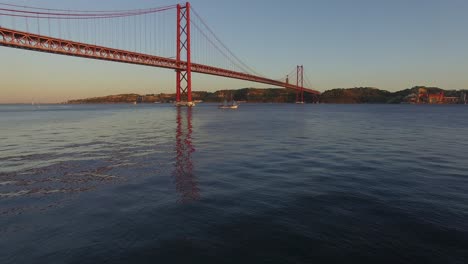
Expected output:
(173, 37)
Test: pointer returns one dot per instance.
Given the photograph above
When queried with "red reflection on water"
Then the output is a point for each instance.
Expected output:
(185, 180)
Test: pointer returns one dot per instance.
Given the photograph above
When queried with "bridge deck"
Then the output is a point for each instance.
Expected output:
(34, 42)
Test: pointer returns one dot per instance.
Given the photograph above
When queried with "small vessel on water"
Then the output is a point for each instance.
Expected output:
(229, 105)
(36, 105)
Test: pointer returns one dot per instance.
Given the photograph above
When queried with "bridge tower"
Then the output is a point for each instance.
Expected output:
(300, 81)
(184, 72)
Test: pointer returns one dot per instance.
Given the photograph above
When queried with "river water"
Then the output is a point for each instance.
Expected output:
(267, 183)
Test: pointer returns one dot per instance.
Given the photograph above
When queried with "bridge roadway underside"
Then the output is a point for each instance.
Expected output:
(34, 42)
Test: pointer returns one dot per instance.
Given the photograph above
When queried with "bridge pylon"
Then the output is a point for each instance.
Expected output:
(183, 72)
(300, 81)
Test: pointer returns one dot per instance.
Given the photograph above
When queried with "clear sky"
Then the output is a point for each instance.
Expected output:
(391, 45)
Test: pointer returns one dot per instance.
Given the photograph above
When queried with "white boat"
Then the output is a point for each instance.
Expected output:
(230, 105)
(36, 105)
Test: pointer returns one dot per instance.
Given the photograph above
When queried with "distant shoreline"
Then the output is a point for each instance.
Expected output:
(358, 95)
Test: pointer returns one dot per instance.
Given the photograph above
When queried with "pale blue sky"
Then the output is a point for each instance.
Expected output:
(386, 44)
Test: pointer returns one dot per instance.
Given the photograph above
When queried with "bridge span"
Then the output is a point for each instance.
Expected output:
(14, 38)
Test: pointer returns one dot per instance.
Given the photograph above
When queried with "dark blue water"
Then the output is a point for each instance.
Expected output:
(269, 183)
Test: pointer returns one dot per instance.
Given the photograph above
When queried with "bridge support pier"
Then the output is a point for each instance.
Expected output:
(183, 71)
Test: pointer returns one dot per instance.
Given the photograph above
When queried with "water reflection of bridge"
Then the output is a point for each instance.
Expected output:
(185, 180)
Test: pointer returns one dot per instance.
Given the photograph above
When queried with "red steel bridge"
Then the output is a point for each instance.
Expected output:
(138, 36)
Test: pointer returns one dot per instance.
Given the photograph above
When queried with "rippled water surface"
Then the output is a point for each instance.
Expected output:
(268, 183)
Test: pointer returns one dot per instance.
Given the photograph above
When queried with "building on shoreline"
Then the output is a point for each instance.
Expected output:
(425, 95)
